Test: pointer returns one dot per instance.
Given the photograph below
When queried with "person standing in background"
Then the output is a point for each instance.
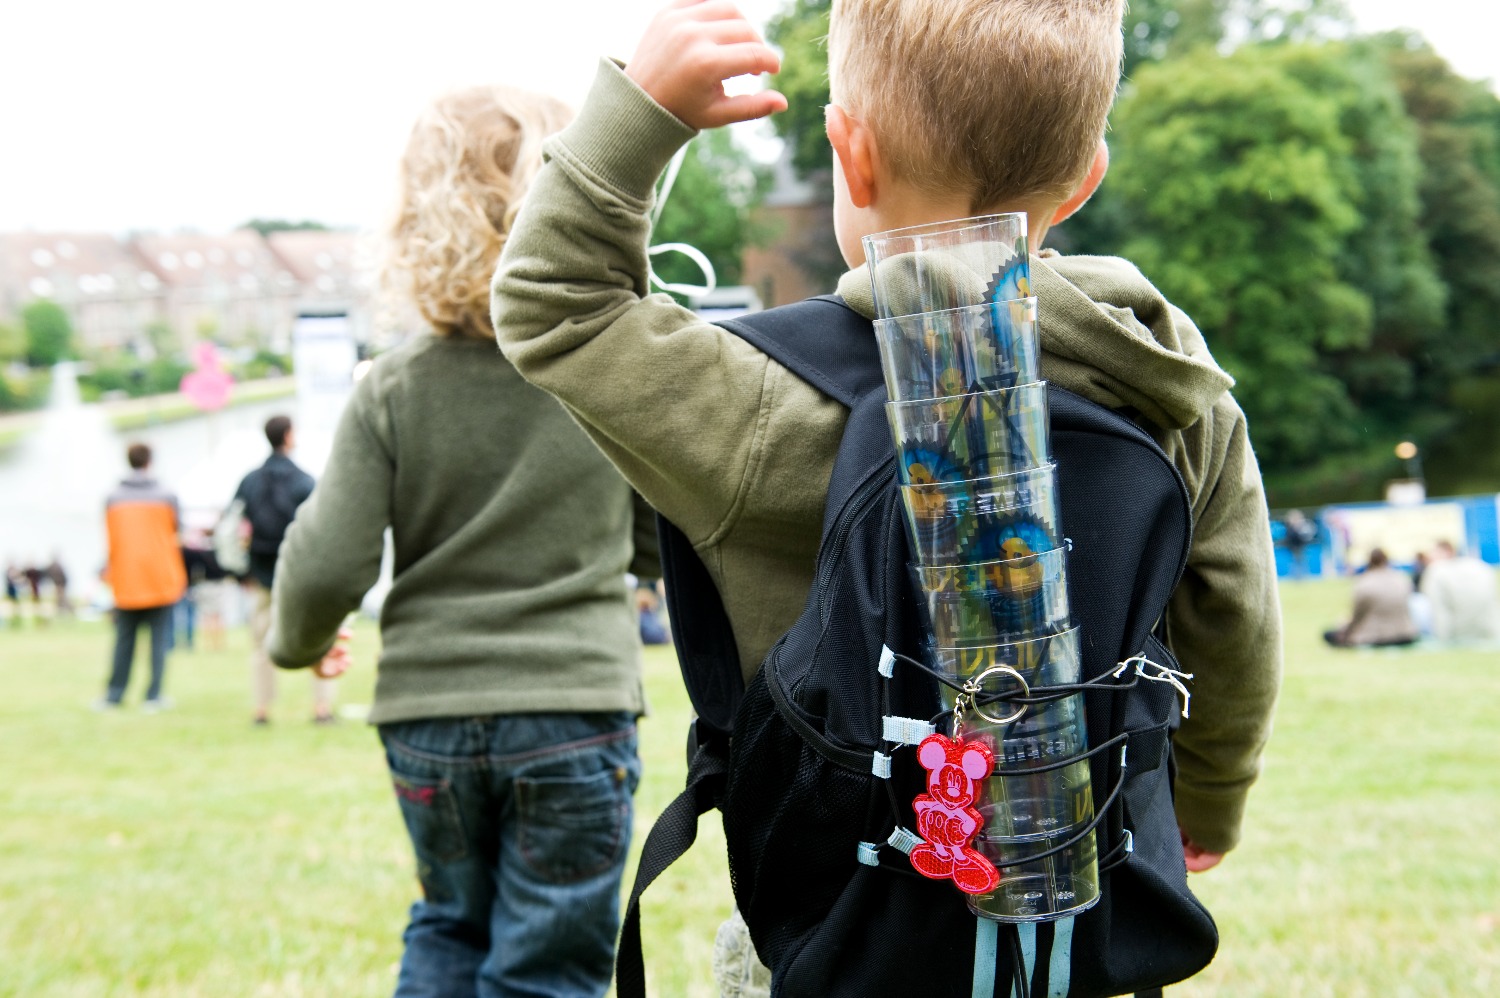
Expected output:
(13, 580)
(59, 579)
(271, 495)
(145, 573)
(1298, 534)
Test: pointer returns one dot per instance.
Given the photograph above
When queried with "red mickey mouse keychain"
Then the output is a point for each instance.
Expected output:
(947, 820)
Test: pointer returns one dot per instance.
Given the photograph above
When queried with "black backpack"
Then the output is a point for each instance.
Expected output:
(788, 760)
(272, 496)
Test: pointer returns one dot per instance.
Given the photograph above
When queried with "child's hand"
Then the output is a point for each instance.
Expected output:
(1197, 858)
(689, 50)
(339, 658)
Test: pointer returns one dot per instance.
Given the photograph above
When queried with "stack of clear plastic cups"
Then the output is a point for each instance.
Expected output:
(959, 347)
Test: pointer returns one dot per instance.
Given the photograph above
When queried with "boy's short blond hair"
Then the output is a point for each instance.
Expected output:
(999, 100)
(470, 157)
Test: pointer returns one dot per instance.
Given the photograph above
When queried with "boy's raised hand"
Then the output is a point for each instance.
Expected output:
(689, 49)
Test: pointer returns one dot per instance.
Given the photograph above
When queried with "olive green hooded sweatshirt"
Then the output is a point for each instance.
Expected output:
(738, 452)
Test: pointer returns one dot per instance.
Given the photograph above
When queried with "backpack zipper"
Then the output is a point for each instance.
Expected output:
(832, 551)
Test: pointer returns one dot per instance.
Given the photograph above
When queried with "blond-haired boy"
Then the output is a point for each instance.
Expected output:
(941, 109)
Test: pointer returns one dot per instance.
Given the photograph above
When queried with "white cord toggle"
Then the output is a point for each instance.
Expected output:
(904, 839)
(887, 666)
(905, 730)
(880, 765)
(1162, 674)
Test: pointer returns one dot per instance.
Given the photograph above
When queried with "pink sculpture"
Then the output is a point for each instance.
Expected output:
(207, 385)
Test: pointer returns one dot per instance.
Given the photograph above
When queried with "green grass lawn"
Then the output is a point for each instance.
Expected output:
(190, 854)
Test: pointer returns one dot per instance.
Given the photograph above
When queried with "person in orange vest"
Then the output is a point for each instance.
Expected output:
(145, 572)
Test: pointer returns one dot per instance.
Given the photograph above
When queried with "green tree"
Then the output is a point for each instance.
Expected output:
(709, 207)
(1458, 123)
(1155, 29)
(1386, 256)
(49, 333)
(801, 33)
(265, 226)
(1160, 29)
(12, 344)
(1241, 192)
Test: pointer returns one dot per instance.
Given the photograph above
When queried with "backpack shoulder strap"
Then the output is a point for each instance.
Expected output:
(672, 835)
(821, 340)
(830, 346)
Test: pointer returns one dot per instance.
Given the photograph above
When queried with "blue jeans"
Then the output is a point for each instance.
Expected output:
(520, 824)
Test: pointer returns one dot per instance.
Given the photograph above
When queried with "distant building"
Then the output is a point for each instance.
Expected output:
(236, 288)
(801, 257)
(107, 290)
(332, 274)
(230, 288)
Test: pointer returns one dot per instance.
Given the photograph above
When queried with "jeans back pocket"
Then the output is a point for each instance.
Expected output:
(574, 827)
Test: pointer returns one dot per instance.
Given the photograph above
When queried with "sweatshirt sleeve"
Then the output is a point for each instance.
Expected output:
(675, 402)
(1224, 625)
(331, 555)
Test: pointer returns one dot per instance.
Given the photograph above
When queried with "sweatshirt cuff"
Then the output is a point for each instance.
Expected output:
(283, 659)
(621, 135)
(1211, 820)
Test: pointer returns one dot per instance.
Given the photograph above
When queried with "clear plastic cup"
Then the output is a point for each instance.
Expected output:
(1036, 799)
(938, 354)
(985, 519)
(971, 436)
(946, 265)
(994, 601)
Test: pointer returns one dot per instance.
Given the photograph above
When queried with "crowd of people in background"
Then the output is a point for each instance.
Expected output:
(1447, 596)
(38, 591)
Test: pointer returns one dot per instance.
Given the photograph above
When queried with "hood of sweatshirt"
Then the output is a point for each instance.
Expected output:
(1110, 336)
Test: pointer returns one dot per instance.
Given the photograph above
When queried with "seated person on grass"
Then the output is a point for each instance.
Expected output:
(1382, 614)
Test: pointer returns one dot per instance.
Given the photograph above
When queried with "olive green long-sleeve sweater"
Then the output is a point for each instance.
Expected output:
(512, 534)
(738, 452)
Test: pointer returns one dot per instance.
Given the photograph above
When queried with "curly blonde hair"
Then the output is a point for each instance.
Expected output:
(468, 162)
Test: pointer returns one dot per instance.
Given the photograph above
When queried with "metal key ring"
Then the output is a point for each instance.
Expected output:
(977, 684)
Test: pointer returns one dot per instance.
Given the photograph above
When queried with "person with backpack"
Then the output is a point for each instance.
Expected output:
(269, 497)
(741, 443)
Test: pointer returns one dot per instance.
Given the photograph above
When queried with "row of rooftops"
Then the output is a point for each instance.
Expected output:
(74, 268)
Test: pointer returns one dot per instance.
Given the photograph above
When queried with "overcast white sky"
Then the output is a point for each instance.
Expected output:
(165, 114)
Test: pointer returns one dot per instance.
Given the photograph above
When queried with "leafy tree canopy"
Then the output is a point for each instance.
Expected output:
(49, 333)
(1159, 29)
(1273, 194)
(1458, 127)
(12, 343)
(801, 32)
(265, 226)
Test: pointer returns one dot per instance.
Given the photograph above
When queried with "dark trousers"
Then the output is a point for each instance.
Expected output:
(127, 622)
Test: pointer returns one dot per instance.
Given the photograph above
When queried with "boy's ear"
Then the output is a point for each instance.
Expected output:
(1086, 189)
(855, 148)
